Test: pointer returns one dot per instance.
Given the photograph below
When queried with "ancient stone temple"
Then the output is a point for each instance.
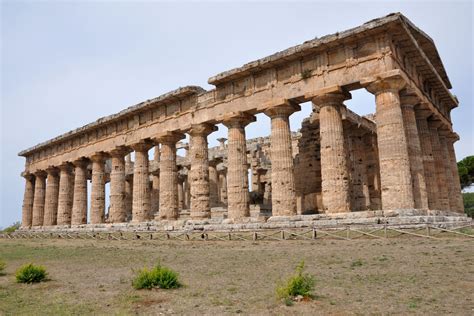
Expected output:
(400, 158)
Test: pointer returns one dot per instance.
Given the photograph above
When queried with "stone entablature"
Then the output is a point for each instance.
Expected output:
(338, 162)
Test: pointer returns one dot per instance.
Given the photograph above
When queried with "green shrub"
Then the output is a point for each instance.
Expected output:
(3, 265)
(298, 284)
(157, 277)
(30, 273)
(12, 228)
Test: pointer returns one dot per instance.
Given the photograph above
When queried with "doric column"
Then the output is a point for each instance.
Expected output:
(438, 155)
(155, 185)
(98, 189)
(334, 164)
(395, 174)
(79, 203)
(420, 195)
(39, 198)
(213, 183)
(449, 184)
(373, 170)
(51, 197)
(283, 178)
(141, 210)
(66, 192)
(168, 175)
(429, 166)
(117, 210)
(359, 177)
(223, 187)
(128, 196)
(237, 166)
(28, 197)
(457, 199)
(180, 189)
(199, 173)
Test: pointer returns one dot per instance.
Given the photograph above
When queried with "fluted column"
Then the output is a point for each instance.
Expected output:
(168, 176)
(428, 160)
(457, 195)
(438, 155)
(28, 197)
(449, 184)
(155, 185)
(395, 174)
(334, 164)
(187, 192)
(223, 187)
(237, 166)
(39, 198)
(180, 189)
(420, 195)
(65, 198)
(213, 183)
(117, 210)
(98, 189)
(141, 210)
(128, 196)
(51, 197)
(79, 203)
(199, 173)
(283, 178)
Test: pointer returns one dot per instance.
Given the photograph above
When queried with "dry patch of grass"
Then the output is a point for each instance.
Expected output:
(360, 276)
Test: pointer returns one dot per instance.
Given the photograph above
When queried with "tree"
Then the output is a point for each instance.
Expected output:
(466, 171)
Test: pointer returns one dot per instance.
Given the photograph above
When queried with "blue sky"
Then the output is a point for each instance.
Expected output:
(65, 64)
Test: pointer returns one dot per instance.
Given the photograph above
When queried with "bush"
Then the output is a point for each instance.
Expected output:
(157, 277)
(30, 273)
(468, 199)
(12, 228)
(2, 267)
(298, 284)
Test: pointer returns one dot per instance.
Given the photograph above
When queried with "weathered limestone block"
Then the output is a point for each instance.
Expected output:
(443, 193)
(199, 173)
(39, 198)
(66, 185)
(141, 209)
(79, 204)
(395, 174)
(283, 179)
(97, 212)
(237, 190)
(359, 178)
(429, 166)
(457, 195)
(51, 197)
(420, 195)
(168, 176)
(28, 197)
(334, 164)
(117, 210)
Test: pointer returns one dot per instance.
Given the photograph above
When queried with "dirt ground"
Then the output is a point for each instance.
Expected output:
(366, 276)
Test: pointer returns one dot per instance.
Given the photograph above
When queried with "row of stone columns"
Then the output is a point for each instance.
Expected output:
(416, 158)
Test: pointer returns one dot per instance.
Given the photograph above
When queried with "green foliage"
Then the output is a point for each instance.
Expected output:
(157, 277)
(356, 263)
(466, 171)
(3, 265)
(305, 74)
(468, 199)
(298, 284)
(12, 228)
(30, 273)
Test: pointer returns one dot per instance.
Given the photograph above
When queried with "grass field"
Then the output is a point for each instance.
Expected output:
(393, 276)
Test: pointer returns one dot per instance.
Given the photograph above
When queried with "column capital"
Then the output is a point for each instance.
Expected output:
(331, 96)
(202, 129)
(215, 161)
(285, 109)
(389, 81)
(409, 100)
(143, 145)
(81, 162)
(27, 175)
(434, 123)
(52, 170)
(99, 156)
(120, 151)
(40, 174)
(65, 166)
(236, 119)
(169, 137)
